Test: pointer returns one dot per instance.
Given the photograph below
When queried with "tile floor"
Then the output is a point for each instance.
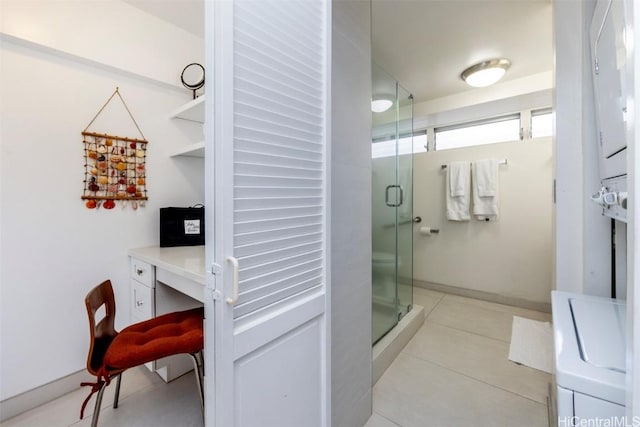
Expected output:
(145, 400)
(454, 372)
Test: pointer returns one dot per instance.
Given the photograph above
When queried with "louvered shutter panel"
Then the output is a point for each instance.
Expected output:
(279, 161)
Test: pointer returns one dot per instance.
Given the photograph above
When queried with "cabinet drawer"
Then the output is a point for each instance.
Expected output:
(142, 272)
(142, 301)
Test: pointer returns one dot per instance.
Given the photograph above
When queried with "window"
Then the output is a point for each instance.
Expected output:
(541, 123)
(525, 124)
(406, 145)
(491, 131)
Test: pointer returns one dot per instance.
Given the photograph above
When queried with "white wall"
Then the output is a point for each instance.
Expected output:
(596, 227)
(499, 91)
(53, 249)
(509, 257)
(582, 244)
(351, 215)
(521, 239)
(111, 33)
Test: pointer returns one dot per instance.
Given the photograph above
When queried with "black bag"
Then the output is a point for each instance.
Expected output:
(182, 226)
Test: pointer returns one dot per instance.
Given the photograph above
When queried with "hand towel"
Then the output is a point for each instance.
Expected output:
(458, 191)
(458, 177)
(484, 178)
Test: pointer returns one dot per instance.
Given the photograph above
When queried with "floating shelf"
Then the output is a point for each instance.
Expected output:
(192, 111)
(191, 150)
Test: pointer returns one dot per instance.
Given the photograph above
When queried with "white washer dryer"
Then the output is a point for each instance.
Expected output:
(590, 347)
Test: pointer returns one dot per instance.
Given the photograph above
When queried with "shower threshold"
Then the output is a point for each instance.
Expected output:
(389, 347)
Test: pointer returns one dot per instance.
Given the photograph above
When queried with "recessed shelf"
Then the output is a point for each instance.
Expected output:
(192, 111)
(191, 150)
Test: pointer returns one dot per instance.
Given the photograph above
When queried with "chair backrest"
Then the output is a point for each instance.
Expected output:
(103, 331)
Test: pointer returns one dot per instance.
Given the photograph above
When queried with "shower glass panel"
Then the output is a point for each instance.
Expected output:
(392, 205)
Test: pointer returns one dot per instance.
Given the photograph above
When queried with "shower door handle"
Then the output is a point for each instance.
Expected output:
(386, 196)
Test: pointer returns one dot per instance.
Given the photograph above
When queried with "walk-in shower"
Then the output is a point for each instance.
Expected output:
(392, 202)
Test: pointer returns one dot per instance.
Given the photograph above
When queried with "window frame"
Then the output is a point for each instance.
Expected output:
(525, 135)
(539, 112)
(474, 123)
(412, 135)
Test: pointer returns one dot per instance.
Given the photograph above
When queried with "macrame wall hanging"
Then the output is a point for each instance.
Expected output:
(114, 166)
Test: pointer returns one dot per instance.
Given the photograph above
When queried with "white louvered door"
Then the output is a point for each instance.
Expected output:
(267, 340)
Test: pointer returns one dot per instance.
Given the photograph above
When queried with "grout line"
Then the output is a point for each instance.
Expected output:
(473, 332)
(433, 308)
(469, 332)
(386, 418)
(475, 379)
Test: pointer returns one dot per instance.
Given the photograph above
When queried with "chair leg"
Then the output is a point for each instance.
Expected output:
(117, 395)
(96, 411)
(199, 378)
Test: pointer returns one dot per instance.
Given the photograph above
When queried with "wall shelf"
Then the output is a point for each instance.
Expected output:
(191, 150)
(192, 111)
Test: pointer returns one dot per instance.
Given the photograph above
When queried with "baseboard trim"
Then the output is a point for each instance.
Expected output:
(485, 296)
(28, 400)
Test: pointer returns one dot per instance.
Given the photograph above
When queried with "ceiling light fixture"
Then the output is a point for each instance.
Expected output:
(380, 104)
(485, 73)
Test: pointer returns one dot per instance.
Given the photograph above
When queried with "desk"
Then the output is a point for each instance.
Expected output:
(181, 268)
(163, 280)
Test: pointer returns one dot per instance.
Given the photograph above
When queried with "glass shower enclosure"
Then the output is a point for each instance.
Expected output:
(392, 203)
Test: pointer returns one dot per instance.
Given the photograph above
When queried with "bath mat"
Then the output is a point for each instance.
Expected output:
(532, 344)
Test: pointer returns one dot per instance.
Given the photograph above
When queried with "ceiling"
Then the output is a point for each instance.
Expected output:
(186, 14)
(426, 44)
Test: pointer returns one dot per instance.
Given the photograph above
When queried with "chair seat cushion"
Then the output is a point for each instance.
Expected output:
(172, 333)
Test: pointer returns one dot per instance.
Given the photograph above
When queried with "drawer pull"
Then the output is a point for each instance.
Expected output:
(139, 303)
(139, 272)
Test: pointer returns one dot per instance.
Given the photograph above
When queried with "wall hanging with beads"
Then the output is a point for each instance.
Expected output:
(115, 166)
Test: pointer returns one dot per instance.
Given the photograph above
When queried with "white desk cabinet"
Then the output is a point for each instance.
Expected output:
(163, 280)
(142, 283)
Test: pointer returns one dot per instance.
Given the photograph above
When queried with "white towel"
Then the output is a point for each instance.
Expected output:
(485, 189)
(458, 177)
(458, 191)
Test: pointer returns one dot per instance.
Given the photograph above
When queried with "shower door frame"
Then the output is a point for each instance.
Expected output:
(401, 200)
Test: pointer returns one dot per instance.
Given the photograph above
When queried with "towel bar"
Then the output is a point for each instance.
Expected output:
(500, 162)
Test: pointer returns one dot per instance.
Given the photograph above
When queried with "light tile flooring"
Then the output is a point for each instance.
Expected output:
(454, 372)
(145, 400)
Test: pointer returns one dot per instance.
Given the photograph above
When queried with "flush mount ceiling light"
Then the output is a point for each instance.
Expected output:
(380, 104)
(485, 73)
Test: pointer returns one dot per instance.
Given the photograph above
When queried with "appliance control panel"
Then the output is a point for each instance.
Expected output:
(613, 198)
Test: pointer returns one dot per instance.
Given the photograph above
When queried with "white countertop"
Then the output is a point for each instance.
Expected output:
(184, 261)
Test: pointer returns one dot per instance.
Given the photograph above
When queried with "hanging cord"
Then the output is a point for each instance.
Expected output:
(116, 92)
(95, 387)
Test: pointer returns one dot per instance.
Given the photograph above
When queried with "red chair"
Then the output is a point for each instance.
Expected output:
(112, 352)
